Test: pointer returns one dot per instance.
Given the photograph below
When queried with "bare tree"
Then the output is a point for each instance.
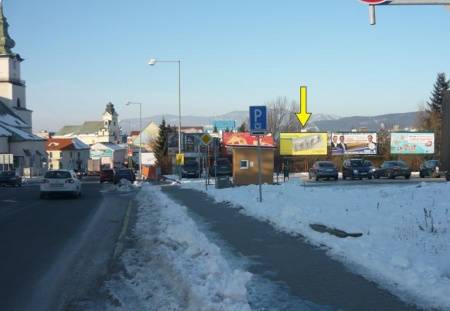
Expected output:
(278, 115)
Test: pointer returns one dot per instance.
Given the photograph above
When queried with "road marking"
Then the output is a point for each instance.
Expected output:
(120, 244)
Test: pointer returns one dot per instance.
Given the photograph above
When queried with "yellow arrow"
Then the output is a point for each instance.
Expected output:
(303, 116)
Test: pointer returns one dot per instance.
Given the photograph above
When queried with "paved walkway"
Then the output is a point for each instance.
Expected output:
(307, 272)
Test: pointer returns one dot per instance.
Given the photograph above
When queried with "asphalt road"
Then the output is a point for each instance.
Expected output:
(54, 251)
(306, 272)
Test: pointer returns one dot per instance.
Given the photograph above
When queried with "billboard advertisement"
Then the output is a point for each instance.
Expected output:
(412, 143)
(246, 139)
(299, 144)
(354, 144)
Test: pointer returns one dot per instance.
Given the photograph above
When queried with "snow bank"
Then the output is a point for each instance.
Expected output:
(174, 266)
(405, 245)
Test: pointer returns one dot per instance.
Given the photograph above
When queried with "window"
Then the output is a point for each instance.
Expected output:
(61, 155)
(19, 105)
(244, 165)
(50, 154)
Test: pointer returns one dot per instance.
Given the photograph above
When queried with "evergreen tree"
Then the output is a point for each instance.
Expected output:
(243, 127)
(161, 146)
(431, 119)
(441, 86)
(215, 130)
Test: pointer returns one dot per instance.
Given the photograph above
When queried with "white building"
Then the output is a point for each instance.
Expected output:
(93, 132)
(16, 136)
(67, 153)
(111, 155)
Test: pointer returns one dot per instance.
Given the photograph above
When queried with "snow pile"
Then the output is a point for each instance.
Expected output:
(405, 245)
(174, 266)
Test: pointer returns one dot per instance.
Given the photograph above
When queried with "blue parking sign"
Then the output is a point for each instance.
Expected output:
(258, 119)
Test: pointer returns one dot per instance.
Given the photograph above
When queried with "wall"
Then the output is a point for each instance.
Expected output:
(250, 176)
(22, 161)
(4, 146)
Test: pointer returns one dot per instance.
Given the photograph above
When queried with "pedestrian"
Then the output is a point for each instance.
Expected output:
(286, 172)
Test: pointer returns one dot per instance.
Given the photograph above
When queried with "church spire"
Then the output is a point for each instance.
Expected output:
(6, 43)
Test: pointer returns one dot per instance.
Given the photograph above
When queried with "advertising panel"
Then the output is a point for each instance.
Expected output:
(246, 139)
(354, 144)
(412, 143)
(298, 144)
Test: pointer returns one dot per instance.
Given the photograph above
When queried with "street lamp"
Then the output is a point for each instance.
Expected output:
(140, 134)
(153, 62)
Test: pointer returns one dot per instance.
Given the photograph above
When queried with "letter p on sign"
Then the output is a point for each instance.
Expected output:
(258, 120)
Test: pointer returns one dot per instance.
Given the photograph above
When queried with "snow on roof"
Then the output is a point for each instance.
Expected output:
(109, 146)
(8, 117)
(20, 135)
(66, 144)
(78, 144)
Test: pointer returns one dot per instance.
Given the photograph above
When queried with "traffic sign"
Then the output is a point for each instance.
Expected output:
(180, 159)
(206, 139)
(258, 120)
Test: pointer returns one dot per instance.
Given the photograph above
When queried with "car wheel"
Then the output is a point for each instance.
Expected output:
(336, 178)
(407, 176)
(422, 175)
(370, 177)
(317, 178)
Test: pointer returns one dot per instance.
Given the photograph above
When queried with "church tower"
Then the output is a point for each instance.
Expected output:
(111, 123)
(12, 87)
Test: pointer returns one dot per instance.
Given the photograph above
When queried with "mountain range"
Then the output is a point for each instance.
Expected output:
(319, 121)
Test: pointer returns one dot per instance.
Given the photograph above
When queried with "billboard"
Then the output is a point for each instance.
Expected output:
(298, 144)
(354, 144)
(412, 143)
(224, 125)
(246, 139)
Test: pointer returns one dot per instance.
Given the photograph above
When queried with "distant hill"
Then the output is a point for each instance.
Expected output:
(388, 121)
(319, 121)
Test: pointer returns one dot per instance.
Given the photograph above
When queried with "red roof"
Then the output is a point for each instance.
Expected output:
(60, 144)
(134, 133)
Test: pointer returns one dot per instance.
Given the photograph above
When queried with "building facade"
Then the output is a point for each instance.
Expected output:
(16, 138)
(67, 153)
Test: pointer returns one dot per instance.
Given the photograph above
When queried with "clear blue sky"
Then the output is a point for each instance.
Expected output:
(82, 54)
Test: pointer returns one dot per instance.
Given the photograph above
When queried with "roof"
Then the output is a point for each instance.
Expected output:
(4, 132)
(18, 135)
(9, 117)
(88, 127)
(108, 146)
(59, 144)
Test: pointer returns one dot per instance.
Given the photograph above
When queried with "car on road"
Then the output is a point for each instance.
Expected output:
(60, 182)
(190, 169)
(393, 169)
(10, 178)
(357, 169)
(430, 168)
(107, 175)
(323, 169)
(124, 173)
(223, 168)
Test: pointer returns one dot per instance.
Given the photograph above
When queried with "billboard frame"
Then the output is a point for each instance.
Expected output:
(304, 155)
(411, 154)
(361, 155)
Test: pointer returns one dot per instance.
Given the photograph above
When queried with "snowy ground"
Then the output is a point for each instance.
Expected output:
(405, 245)
(173, 266)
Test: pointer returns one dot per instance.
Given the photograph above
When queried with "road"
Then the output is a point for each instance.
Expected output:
(54, 251)
(311, 280)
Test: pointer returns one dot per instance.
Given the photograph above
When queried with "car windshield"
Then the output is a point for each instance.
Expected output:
(360, 163)
(326, 165)
(58, 175)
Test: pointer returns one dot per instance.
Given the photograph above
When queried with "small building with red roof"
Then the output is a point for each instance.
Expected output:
(67, 153)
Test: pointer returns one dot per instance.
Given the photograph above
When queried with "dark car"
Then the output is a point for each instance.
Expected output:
(190, 169)
(430, 169)
(357, 169)
(323, 169)
(10, 178)
(447, 175)
(107, 175)
(393, 169)
(124, 173)
(223, 168)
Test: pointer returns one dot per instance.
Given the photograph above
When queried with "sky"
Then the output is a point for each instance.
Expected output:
(80, 55)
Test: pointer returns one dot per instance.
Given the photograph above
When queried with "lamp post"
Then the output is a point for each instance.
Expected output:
(153, 62)
(140, 134)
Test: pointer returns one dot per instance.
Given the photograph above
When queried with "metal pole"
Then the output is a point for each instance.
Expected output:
(140, 140)
(259, 169)
(215, 161)
(179, 112)
(372, 15)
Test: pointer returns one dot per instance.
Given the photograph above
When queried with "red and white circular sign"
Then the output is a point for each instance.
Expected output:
(374, 2)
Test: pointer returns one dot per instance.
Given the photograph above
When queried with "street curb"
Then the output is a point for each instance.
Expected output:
(118, 249)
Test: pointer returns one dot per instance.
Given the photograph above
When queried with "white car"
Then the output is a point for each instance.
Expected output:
(61, 182)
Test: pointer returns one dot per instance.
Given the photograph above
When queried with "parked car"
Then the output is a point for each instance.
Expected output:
(223, 168)
(430, 169)
(393, 169)
(124, 173)
(357, 169)
(60, 182)
(323, 169)
(10, 178)
(447, 175)
(106, 175)
(190, 169)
